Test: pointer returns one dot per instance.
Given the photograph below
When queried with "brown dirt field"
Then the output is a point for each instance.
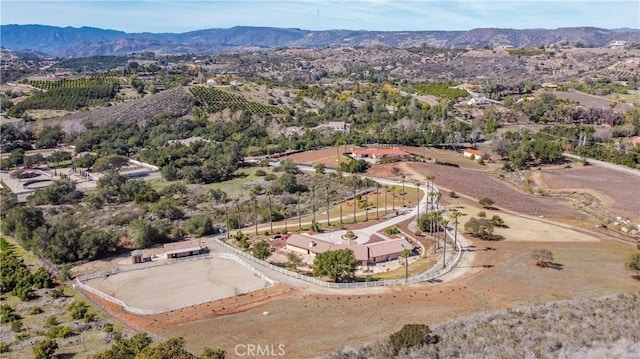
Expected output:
(325, 155)
(616, 190)
(478, 185)
(179, 283)
(193, 313)
(446, 156)
(328, 156)
(584, 99)
(312, 324)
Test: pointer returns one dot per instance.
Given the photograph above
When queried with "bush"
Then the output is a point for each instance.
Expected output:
(412, 335)
(4, 348)
(51, 321)
(391, 231)
(16, 326)
(261, 173)
(36, 311)
(452, 194)
(58, 331)
(486, 202)
(270, 177)
(199, 225)
(45, 349)
(497, 221)
(78, 310)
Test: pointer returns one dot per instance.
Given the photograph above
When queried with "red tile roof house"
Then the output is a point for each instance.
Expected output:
(377, 154)
(477, 155)
(183, 249)
(366, 254)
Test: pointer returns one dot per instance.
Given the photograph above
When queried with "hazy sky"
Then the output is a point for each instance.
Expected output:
(182, 16)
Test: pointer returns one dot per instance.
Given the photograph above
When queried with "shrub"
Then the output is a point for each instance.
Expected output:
(270, 177)
(4, 348)
(45, 349)
(261, 173)
(412, 335)
(391, 231)
(7, 314)
(78, 310)
(199, 225)
(51, 321)
(497, 221)
(58, 292)
(486, 202)
(452, 194)
(482, 214)
(59, 331)
(16, 326)
(36, 311)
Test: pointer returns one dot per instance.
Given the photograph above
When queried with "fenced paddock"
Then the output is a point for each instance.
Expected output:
(161, 288)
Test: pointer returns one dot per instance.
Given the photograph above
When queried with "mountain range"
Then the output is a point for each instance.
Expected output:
(90, 41)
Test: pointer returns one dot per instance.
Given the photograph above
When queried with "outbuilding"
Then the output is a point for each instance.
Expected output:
(183, 249)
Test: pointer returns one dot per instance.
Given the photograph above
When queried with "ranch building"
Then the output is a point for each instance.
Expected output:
(183, 249)
(366, 254)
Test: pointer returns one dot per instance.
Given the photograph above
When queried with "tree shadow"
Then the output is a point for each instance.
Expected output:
(636, 276)
(552, 265)
(65, 355)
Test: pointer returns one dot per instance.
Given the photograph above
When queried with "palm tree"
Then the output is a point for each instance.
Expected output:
(299, 212)
(386, 190)
(366, 205)
(429, 179)
(284, 210)
(406, 253)
(254, 197)
(223, 199)
(402, 177)
(270, 212)
(354, 179)
(444, 222)
(326, 187)
(418, 190)
(436, 216)
(237, 203)
(377, 197)
(455, 214)
(432, 195)
(313, 204)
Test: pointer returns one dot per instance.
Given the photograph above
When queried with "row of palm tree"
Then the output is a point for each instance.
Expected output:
(254, 192)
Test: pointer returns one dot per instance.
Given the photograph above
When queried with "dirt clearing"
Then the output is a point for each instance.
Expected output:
(179, 284)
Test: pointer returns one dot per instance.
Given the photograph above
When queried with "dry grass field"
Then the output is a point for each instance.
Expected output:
(179, 284)
(618, 191)
(313, 324)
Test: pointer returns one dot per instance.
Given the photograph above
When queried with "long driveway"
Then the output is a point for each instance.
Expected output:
(308, 286)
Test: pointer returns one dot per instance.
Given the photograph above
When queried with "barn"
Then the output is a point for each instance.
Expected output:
(183, 249)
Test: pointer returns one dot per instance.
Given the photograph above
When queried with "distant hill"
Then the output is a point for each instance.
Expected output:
(89, 41)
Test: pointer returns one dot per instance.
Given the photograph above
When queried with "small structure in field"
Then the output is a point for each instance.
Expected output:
(475, 154)
(376, 155)
(183, 249)
(137, 256)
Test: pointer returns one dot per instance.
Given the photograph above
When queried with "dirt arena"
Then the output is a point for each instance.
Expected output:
(179, 284)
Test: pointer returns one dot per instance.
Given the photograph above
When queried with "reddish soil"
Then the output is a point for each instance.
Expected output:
(617, 190)
(478, 185)
(203, 311)
(325, 155)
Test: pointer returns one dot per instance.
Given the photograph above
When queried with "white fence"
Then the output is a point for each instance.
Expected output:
(79, 283)
(424, 277)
